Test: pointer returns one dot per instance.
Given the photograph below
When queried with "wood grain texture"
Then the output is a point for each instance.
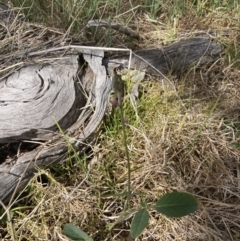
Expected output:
(58, 92)
(37, 96)
(74, 90)
(174, 58)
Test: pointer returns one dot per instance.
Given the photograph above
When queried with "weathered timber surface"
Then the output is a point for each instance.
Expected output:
(174, 58)
(69, 87)
(63, 102)
(35, 97)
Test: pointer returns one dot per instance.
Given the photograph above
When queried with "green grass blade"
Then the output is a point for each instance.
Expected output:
(74, 233)
(5, 217)
(176, 204)
(139, 222)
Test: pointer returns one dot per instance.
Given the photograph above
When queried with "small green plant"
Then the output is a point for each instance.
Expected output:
(74, 233)
(174, 204)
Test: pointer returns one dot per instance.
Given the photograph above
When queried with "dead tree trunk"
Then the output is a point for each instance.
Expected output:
(41, 93)
(174, 58)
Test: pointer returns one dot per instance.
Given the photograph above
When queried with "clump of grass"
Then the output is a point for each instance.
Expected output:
(184, 143)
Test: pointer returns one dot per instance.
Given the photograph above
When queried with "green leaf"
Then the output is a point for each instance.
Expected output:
(176, 204)
(139, 222)
(74, 233)
(4, 219)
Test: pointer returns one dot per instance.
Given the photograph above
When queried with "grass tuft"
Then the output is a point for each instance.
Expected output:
(185, 139)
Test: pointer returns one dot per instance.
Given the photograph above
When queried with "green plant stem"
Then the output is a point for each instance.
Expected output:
(118, 87)
(128, 158)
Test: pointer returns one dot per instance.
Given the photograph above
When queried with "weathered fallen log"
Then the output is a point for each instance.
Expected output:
(174, 58)
(37, 96)
(68, 88)
(50, 108)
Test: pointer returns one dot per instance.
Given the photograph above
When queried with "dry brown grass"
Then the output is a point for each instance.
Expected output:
(188, 144)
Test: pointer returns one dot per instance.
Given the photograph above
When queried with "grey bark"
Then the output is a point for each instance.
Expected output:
(63, 101)
(75, 94)
(174, 58)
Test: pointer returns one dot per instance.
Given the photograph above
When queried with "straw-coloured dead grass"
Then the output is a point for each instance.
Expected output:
(185, 140)
(190, 152)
